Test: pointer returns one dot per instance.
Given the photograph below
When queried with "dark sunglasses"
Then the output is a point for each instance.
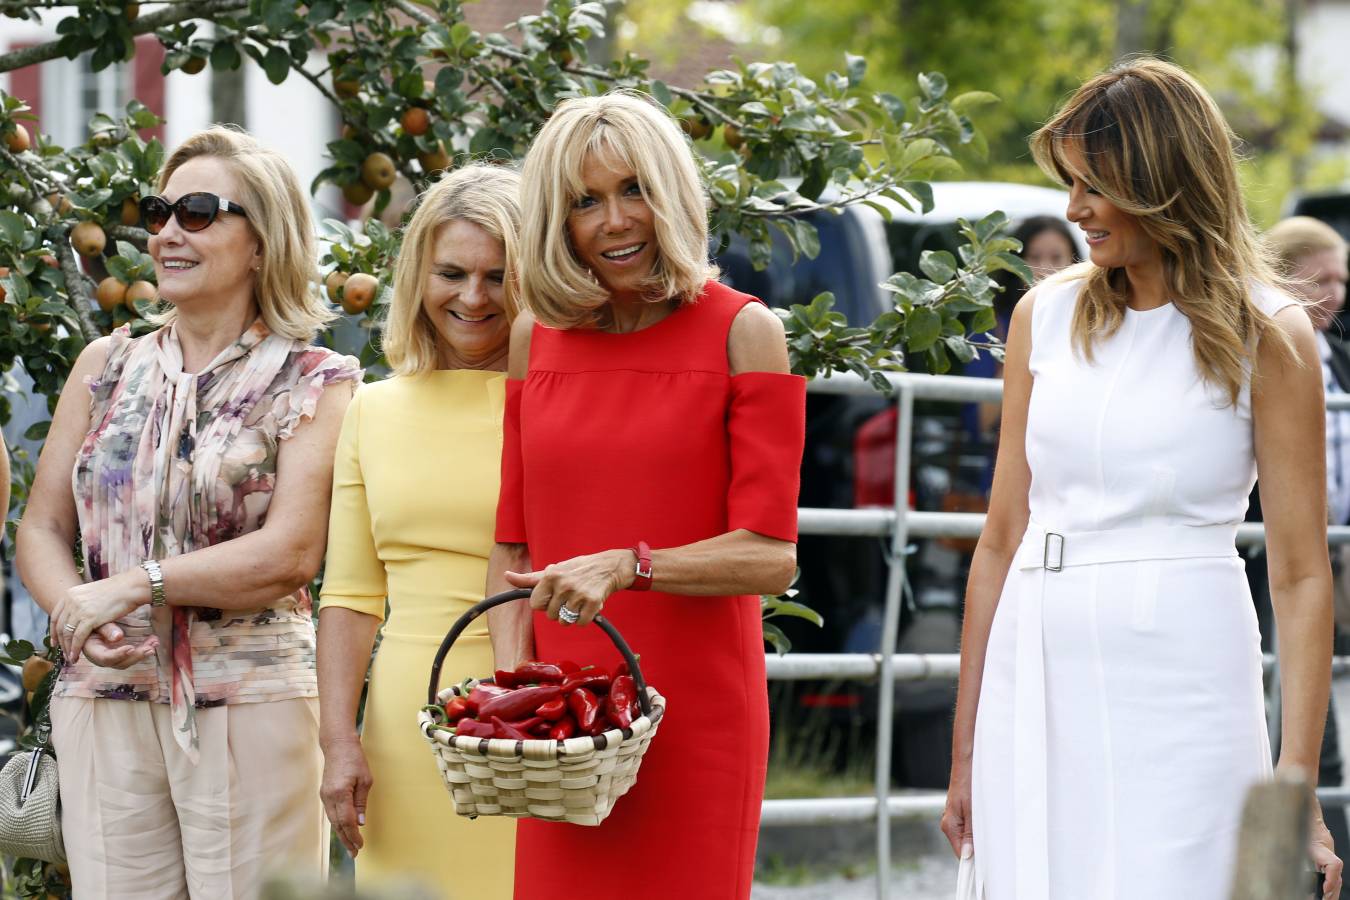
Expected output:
(193, 211)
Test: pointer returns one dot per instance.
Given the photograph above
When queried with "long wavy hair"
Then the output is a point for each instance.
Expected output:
(1153, 142)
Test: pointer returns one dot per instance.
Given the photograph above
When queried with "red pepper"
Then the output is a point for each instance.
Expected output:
(473, 728)
(594, 680)
(553, 710)
(482, 693)
(569, 667)
(457, 709)
(540, 728)
(519, 703)
(562, 730)
(506, 730)
(538, 673)
(619, 703)
(504, 678)
(585, 707)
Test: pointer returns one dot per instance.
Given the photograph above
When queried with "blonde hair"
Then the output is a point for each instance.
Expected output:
(1297, 237)
(634, 131)
(487, 196)
(1153, 142)
(278, 214)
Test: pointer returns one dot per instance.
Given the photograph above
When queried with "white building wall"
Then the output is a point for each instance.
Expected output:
(297, 121)
(1324, 65)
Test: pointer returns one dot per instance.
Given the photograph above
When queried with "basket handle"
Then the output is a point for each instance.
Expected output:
(483, 606)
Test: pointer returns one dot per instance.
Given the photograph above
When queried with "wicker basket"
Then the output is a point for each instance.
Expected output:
(577, 780)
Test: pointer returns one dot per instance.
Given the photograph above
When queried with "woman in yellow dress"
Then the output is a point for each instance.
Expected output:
(414, 499)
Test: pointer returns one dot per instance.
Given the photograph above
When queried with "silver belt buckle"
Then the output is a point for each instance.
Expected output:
(1053, 558)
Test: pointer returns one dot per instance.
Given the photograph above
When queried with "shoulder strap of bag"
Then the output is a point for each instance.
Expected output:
(42, 727)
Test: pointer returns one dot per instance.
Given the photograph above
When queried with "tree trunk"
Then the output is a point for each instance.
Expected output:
(1131, 27)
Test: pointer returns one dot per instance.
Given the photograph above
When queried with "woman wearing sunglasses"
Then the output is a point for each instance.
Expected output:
(191, 469)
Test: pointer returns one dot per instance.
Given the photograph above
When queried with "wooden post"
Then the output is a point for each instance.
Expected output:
(1272, 853)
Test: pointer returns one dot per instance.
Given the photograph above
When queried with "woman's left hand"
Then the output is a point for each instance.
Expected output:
(1323, 853)
(582, 584)
(85, 607)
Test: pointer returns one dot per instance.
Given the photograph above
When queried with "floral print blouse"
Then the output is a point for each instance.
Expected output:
(176, 461)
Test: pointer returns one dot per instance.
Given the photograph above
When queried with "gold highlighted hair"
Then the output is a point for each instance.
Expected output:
(1153, 142)
(631, 130)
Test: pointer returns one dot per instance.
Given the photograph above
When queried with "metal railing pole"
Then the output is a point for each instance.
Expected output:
(890, 628)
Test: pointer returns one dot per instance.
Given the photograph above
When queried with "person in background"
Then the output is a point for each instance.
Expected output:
(1312, 256)
(414, 496)
(4, 489)
(186, 720)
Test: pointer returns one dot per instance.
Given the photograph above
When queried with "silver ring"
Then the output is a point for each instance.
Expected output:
(570, 616)
(69, 627)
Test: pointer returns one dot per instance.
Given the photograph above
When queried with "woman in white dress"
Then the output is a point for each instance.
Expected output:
(1110, 714)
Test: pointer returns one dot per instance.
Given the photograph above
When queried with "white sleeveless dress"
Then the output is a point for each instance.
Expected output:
(1121, 716)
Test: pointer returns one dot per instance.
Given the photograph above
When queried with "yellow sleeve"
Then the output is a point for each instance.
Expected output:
(353, 575)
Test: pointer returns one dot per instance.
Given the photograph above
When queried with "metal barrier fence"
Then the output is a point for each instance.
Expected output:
(901, 524)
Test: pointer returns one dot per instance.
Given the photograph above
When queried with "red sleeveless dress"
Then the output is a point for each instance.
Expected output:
(616, 438)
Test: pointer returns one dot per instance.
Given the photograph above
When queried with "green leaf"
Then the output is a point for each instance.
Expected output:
(225, 56)
(12, 227)
(984, 321)
(120, 268)
(37, 431)
(774, 635)
(933, 85)
(856, 67)
(965, 104)
(939, 265)
(923, 326)
(661, 93)
(277, 65)
(776, 606)
(893, 105)
(410, 84)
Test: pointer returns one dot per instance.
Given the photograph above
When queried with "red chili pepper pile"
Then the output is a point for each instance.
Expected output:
(540, 700)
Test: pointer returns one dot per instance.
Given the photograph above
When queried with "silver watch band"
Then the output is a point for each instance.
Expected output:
(156, 574)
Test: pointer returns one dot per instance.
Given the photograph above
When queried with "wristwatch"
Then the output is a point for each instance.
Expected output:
(156, 574)
(642, 575)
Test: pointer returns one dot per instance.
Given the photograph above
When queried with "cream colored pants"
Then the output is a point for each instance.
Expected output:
(140, 821)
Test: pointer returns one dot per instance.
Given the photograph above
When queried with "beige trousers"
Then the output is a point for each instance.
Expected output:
(140, 821)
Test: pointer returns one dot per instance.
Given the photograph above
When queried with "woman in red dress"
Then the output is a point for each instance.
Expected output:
(653, 438)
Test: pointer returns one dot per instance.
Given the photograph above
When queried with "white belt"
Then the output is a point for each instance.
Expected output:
(1055, 550)
(1048, 552)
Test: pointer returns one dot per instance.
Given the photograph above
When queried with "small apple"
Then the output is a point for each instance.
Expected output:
(140, 290)
(88, 239)
(334, 282)
(131, 212)
(434, 160)
(415, 121)
(35, 668)
(357, 193)
(359, 293)
(378, 171)
(18, 140)
(732, 135)
(193, 65)
(110, 293)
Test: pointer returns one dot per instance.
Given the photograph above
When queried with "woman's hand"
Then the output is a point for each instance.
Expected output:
(582, 584)
(346, 785)
(106, 647)
(1323, 853)
(84, 607)
(956, 817)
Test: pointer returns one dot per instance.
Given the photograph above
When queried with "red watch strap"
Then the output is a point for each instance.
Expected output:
(642, 575)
